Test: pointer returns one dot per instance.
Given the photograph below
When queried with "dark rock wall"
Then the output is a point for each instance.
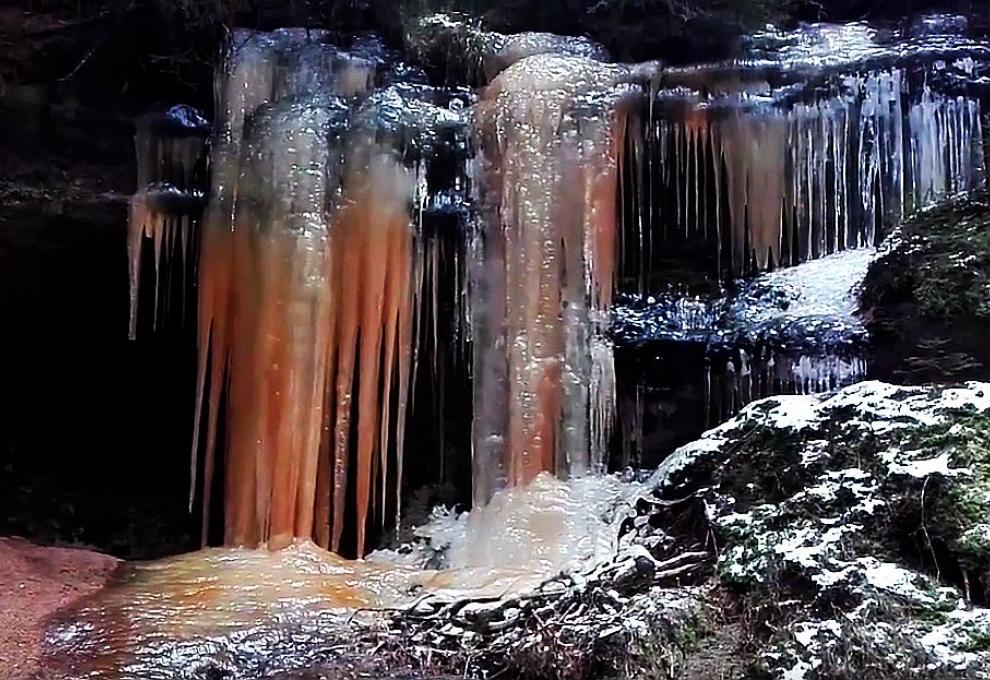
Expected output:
(82, 458)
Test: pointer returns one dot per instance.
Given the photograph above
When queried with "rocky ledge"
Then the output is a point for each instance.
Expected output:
(855, 527)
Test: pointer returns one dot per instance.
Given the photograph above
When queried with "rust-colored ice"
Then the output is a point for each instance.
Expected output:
(307, 297)
(549, 128)
(253, 610)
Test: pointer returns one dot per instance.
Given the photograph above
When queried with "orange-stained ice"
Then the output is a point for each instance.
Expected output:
(549, 128)
(160, 618)
(305, 299)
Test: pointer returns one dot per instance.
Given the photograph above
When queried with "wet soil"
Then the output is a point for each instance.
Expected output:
(34, 583)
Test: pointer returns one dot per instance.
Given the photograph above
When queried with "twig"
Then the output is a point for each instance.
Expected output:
(82, 62)
(924, 528)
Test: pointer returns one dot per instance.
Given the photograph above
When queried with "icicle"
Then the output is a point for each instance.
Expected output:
(797, 180)
(376, 216)
(311, 283)
(169, 147)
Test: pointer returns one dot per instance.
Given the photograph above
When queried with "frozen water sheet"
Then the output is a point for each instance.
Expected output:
(256, 611)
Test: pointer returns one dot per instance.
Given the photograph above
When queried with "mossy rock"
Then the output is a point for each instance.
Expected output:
(854, 526)
(927, 296)
(939, 259)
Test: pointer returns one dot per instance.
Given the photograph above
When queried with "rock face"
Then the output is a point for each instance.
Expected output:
(855, 527)
(34, 583)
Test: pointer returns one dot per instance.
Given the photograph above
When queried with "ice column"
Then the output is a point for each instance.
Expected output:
(543, 268)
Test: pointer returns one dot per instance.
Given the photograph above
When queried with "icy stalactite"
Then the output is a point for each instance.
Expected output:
(316, 274)
(168, 218)
(747, 377)
(543, 269)
(680, 392)
(266, 281)
(279, 311)
(601, 403)
(166, 209)
(946, 147)
(373, 240)
(169, 146)
(428, 130)
(440, 402)
(774, 176)
(270, 86)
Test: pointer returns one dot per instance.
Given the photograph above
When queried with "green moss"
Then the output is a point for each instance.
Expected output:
(976, 542)
(965, 506)
(951, 512)
(766, 464)
(941, 261)
(977, 641)
(933, 616)
(958, 511)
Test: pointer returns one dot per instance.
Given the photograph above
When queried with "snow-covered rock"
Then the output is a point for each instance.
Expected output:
(857, 524)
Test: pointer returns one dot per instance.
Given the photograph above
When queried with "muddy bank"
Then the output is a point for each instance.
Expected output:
(36, 581)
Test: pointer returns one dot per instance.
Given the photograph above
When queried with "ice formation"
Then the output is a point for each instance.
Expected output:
(811, 146)
(312, 282)
(171, 149)
(370, 242)
(812, 149)
(320, 282)
(542, 529)
(797, 331)
(543, 269)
